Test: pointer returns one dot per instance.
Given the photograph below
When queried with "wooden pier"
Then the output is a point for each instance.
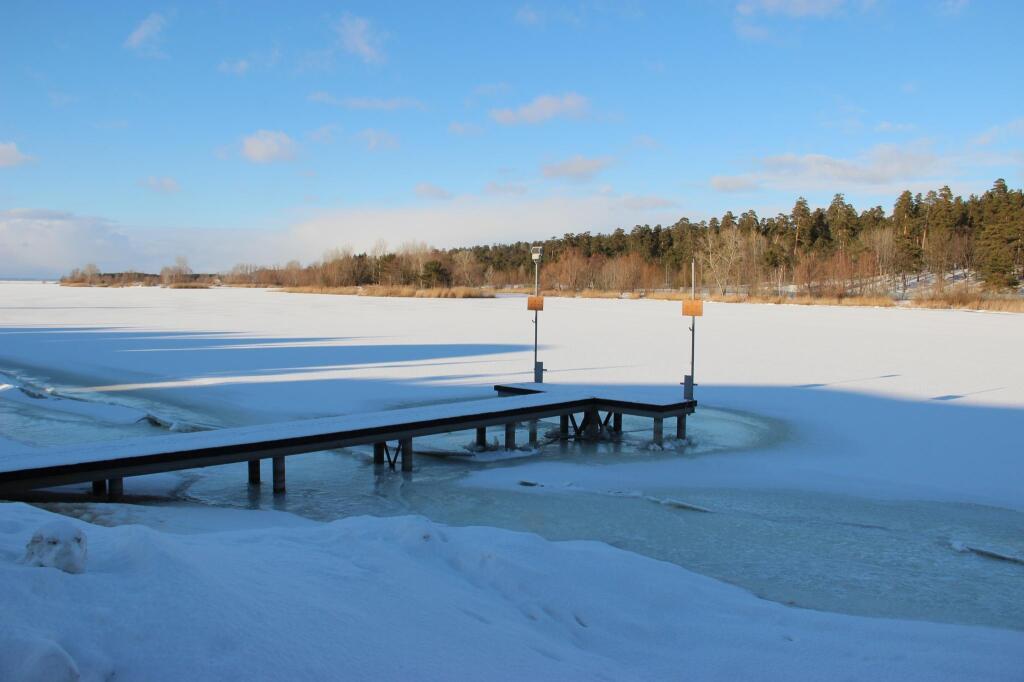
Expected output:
(107, 464)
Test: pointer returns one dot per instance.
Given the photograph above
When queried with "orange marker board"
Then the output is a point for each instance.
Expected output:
(693, 308)
(535, 303)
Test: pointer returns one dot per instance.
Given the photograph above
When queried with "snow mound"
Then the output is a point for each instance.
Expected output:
(27, 657)
(58, 544)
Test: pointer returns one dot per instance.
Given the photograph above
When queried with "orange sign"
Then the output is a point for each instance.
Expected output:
(535, 303)
(693, 308)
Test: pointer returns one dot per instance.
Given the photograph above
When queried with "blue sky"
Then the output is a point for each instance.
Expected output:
(256, 131)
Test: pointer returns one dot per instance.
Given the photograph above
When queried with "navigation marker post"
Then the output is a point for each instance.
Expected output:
(694, 308)
(536, 304)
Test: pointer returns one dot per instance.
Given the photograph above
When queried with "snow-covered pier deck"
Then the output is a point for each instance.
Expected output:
(107, 463)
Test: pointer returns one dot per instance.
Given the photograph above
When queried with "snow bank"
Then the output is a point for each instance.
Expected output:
(410, 599)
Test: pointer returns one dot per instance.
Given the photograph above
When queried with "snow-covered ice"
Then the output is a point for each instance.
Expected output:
(841, 453)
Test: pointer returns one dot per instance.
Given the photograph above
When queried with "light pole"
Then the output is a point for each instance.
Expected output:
(537, 252)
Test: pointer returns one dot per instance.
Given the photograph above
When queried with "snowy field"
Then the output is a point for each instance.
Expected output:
(851, 458)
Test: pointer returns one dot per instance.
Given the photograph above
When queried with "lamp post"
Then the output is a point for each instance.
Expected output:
(536, 253)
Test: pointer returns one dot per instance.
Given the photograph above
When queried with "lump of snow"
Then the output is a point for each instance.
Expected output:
(59, 544)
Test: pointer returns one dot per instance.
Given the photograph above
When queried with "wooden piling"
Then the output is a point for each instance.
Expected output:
(99, 488)
(254, 472)
(378, 454)
(406, 445)
(659, 430)
(617, 422)
(510, 436)
(681, 427)
(533, 433)
(279, 475)
(592, 430)
(563, 427)
(481, 437)
(115, 489)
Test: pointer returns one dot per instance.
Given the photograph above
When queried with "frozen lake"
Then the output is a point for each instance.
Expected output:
(845, 466)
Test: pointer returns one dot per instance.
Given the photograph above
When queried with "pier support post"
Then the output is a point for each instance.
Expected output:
(510, 436)
(533, 432)
(617, 422)
(563, 427)
(115, 489)
(378, 454)
(406, 446)
(481, 437)
(278, 475)
(593, 428)
(254, 472)
(681, 427)
(659, 430)
(99, 488)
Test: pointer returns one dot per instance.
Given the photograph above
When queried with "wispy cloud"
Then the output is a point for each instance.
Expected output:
(528, 16)
(428, 190)
(881, 167)
(324, 134)
(544, 108)
(459, 128)
(164, 185)
(576, 168)
(505, 188)
(367, 103)
(267, 146)
(892, 127)
(1000, 132)
(145, 39)
(10, 155)
(238, 67)
(490, 89)
(358, 38)
(953, 6)
(377, 140)
(60, 99)
(791, 8)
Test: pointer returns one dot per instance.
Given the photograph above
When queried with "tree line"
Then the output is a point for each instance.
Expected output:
(823, 251)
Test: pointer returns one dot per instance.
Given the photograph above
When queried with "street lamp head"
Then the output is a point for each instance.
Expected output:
(536, 253)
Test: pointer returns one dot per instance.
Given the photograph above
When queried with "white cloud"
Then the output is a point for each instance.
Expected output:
(358, 38)
(791, 8)
(164, 185)
(267, 146)
(733, 183)
(10, 155)
(376, 139)
(458, 128)
(146, 36)
(367, 103)
(544, 108)
(577, 167)
(646, 142)
(428, 190)
(235, 68)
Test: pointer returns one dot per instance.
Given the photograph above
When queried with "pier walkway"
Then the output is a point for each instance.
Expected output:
(107, 463)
